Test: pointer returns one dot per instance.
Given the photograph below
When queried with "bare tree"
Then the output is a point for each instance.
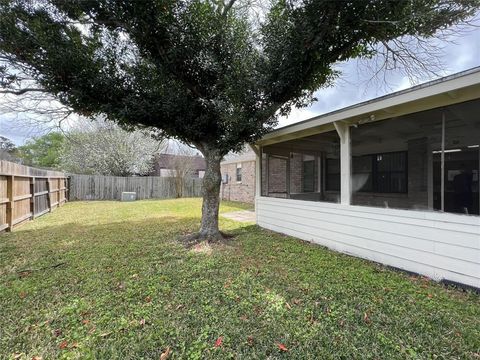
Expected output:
(414, 57)
(183, 166)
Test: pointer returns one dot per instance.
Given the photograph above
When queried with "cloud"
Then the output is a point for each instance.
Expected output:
(460, 53)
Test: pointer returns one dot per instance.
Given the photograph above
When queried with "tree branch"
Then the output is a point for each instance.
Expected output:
(23, 91)
(227, 7)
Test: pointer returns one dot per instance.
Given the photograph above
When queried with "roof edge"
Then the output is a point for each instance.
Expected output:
(427, 84)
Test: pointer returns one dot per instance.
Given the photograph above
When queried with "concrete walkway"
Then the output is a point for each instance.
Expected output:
(241, 216)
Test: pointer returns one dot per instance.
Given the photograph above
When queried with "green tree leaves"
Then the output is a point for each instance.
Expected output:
(43, 151)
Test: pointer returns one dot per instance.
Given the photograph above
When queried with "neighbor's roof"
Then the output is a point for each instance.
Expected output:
(246, 155)
(166, 161)
(455, 88)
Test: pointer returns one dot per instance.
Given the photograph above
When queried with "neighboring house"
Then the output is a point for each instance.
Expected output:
(167, 165)
(393, 180)
(238, 177)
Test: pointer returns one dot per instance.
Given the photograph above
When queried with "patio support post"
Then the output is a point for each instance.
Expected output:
(430, 176)
(442, 166)
(343, 131)
(258, 169)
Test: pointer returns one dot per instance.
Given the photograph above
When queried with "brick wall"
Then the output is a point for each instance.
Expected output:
(243, 191)
(277, 176)
(296, 173)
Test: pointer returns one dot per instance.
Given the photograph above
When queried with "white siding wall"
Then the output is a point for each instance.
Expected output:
(438, 245)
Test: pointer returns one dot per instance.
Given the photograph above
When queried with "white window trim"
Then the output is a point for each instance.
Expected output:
(239, 166)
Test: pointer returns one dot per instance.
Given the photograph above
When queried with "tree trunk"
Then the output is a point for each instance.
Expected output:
(211, 196)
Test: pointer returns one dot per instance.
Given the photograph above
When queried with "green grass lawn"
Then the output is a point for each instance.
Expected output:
(108, 280)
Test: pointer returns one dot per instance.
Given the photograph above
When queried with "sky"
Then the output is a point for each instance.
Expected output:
(462, 52)
(353, 86)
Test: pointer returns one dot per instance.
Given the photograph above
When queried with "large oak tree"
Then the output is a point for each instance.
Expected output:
(202, 71)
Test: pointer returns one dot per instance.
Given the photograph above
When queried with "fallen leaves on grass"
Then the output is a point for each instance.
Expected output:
(203, 248)
(63, 345)
(196, 296)
(219, 342)
(166, 354)
(366, 318)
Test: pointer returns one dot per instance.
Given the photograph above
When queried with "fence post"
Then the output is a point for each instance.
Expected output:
(11, 202)
(32, 199)
(67, 188)
(49, 197)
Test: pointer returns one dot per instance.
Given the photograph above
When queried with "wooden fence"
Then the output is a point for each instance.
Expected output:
(27, 193)
(98, 187)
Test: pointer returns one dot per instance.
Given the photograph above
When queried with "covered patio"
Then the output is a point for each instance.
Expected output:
(395, 179)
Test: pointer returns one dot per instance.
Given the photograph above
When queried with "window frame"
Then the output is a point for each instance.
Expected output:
(238, 174)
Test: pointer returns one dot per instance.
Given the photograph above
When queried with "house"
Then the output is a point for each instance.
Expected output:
(238, 177)
(168, 165)
(393, 180)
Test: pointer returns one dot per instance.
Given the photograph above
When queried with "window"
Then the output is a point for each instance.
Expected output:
(381, 173)
(239, 172)
(309, 175)
(332, 178)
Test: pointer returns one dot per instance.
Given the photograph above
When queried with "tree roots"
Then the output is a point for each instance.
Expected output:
(198, 237)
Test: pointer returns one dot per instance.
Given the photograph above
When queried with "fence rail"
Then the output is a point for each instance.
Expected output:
(98, 187)
(27, 193)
